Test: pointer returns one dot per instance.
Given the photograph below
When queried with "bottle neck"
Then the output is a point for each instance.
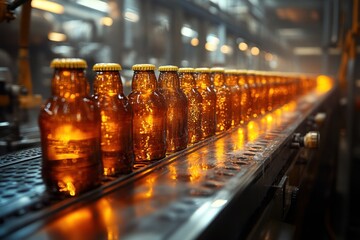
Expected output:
(168, 80)
(187, 80)
(108, 83)
(70, 83)
(218, 79)
(144, 81)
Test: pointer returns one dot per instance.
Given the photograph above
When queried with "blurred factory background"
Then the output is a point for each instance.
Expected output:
(310, 36)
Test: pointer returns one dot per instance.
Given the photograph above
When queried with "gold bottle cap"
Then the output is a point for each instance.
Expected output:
(107, 67)
(231, 71)
(202, 70)
(186, 70)
(242, 71)
(217, 70)
(168, 68)
(68, 63)
(143, 67)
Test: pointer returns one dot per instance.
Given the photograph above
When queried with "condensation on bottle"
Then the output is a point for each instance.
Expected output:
(223, 99)
(231, 79)
(149, 109)
(203, 83)
(177, 109)
(188, 86)
(70, 132)
(116, 120)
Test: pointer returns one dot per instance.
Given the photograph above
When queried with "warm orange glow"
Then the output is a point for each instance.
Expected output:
(194, 42)
(253, 131)
(255, 51)
(57, 37)
(48, 6)
(109, 218)
(243, 46)
(226, 49)
(211, 47)
(173, 173)
(66, 185)
(220, 152)
(324, 83)
(107, 21)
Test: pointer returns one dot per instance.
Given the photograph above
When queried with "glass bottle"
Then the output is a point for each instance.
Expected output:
(246, 103)
(208, 105)
(231, 80)
(223, 99)
(116, 120)
(177, 109)
(254, 97)
(149, 109)
(70, 132)
(188, 86)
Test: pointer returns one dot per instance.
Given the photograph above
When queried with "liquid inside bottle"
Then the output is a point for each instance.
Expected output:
(223, 100)
(188, 86)
(231, 79)
(149, 109)
(246, 103)
(116, 120)
(70, 132)
(177, 109)
(203, 83)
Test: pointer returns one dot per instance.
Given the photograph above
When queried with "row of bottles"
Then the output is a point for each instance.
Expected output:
(84, 137)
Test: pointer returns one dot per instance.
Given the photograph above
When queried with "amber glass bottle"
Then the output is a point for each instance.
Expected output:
(250, 78)
(116, 120)
(223, 100)
(231, 78)
(149, 108)
(263, 92)
(208, 105)
(271, 90)
(188, 86)
(177, 109)
(70, 132)
(246, 103)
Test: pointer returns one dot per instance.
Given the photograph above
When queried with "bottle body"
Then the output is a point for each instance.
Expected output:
(177, 109)
(194, 99)
(246, 103)
(70, 135)
(232, 81)
(223, 100)
(208, 105)
(116, 120)
(149, 111)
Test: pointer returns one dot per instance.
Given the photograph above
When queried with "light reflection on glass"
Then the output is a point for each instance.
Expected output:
(324, 84)
(220, 152)
(253, 131)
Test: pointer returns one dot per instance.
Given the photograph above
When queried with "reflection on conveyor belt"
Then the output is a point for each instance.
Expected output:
(159, 200)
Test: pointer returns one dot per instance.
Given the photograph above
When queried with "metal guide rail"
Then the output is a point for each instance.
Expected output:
(177, 197)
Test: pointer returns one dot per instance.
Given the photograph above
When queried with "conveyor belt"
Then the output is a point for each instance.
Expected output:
(178, 197)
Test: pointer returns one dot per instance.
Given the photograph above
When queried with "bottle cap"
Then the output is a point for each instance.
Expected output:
(168, 68)
(143, 67)
(242, 71)
(186, 70)
(68, 63)
(107, 67)
(217, 70)
(231, 71)
(202, 70)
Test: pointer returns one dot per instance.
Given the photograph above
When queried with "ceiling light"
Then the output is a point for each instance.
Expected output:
(106, 21)
(131, 16)
(194, 42)
(243, 46)
(95, 4)
(255, 51)
(48, 6)
(303, 51)
(56, 37)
